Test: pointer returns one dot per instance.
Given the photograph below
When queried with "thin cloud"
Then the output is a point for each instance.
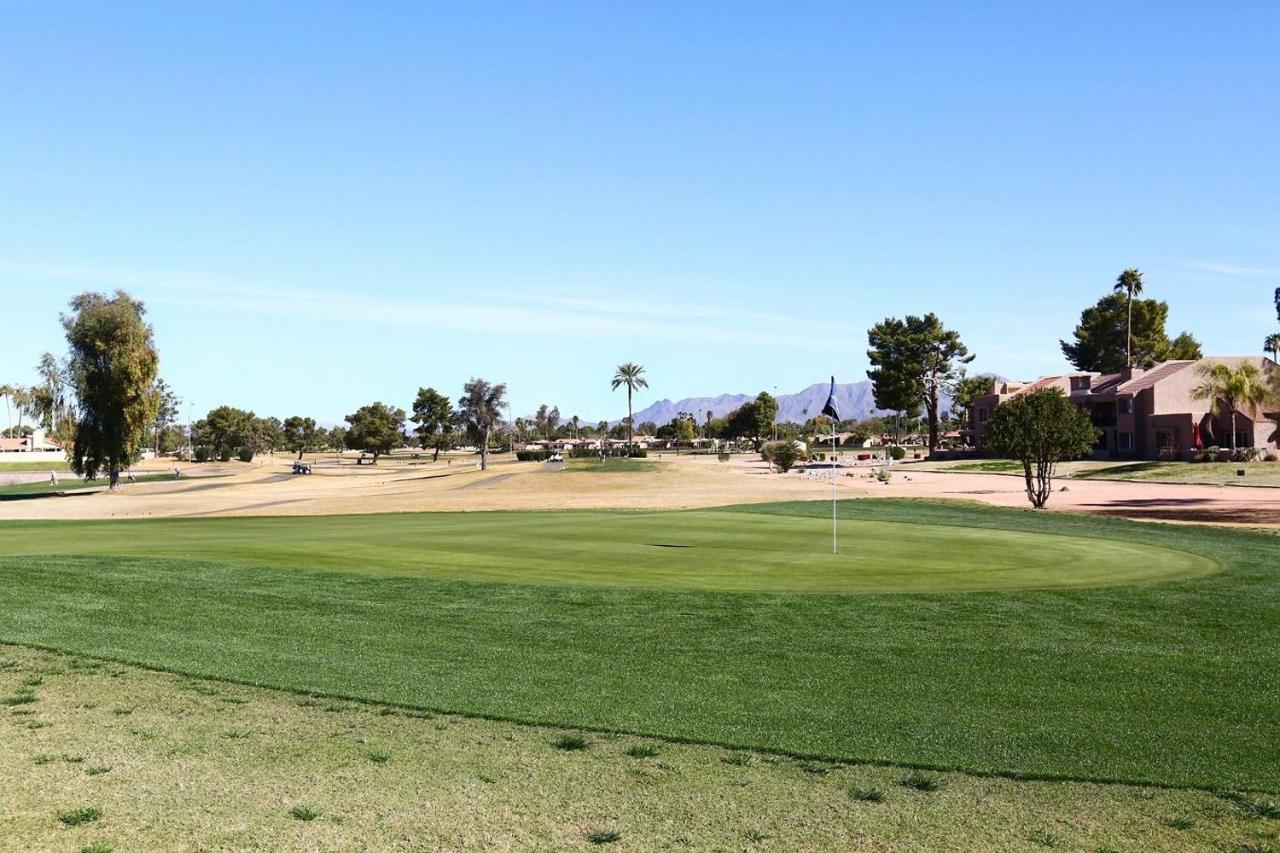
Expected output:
(515, 314)
(1239, 270)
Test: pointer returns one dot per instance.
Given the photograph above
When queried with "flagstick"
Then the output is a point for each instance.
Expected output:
(835, 536)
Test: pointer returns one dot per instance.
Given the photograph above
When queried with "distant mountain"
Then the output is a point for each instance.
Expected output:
(855, 398)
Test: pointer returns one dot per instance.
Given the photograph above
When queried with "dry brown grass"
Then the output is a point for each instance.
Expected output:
(674, 482)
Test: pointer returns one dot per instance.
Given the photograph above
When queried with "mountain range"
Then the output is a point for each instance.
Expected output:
(855, 399)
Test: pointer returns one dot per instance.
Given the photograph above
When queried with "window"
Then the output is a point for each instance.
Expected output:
(1126, 406)
(1126, 440)
(1164, 440)
(982, 416)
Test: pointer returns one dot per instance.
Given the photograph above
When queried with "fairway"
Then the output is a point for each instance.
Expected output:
(945, 635)
(694, 550)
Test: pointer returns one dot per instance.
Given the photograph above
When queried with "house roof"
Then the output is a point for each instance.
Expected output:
(1154, 375)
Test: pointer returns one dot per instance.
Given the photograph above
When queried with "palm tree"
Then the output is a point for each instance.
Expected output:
(630, 375)
(6, 391)
(1272, 345)
(480, 409)
(575, 420)
(1130, 283)
(1242, 388)
(21, 398)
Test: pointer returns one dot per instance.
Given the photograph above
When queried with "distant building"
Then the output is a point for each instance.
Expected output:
(1145, 414)
(37, 442)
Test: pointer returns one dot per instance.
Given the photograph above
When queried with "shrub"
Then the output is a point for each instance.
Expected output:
(1045, 838)
(920, 782)
(245, 454)
(203, 454)
(783, 454)
(638, 453)
(533, 455)
(1168, 454)
(224, 455)
(897, 453)
(1211, 454)
(723, 456)
(1271, 456)
(76, 817)
(1248, 454)
(571, 743)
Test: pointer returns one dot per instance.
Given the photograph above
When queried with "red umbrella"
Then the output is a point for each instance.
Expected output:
(1195, 437)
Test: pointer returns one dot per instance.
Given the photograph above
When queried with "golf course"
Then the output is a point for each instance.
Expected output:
(944, 635)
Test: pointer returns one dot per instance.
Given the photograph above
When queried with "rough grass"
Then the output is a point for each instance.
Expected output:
(467, 784)
(1169, 683)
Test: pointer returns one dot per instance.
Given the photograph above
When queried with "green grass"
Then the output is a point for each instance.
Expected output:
(1162, 682)
(1206, 473)
(23, 491)
(7, 466)
(767, 552)
(1256, 473)
(999, 466)
(609, 465)
(78, 817)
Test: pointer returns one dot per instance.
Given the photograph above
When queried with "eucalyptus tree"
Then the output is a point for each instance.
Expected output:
(167, 403)
(111, 369)
(480, 411)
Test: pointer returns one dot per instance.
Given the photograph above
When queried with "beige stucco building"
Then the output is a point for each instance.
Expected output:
(1144, 414)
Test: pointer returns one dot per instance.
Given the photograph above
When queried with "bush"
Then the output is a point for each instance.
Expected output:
(533, 455)
(897, 453)
(1248, 454)
(638, 453)
(723, 456)
(1271, 457)
(783, 454)
(245, 454)
(203, 454)
(1213, 454)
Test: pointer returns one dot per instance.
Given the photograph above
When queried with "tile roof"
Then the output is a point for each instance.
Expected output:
(1152, 376)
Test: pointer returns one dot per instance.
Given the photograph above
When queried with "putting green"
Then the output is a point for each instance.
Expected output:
(693, 550)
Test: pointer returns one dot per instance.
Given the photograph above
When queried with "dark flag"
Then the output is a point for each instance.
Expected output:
(832, 408)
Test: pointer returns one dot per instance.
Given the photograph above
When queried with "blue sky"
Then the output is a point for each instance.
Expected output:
(326, 205)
